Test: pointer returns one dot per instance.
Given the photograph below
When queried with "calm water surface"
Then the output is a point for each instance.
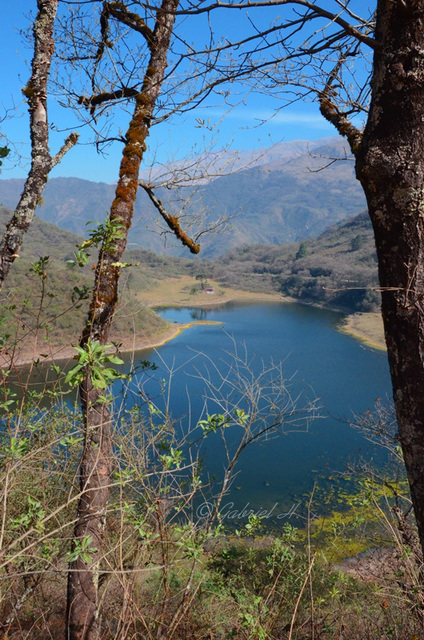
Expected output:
(346, 376)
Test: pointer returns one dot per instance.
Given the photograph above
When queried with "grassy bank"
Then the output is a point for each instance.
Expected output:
(186, 291)
(366, 327)
(136, 324)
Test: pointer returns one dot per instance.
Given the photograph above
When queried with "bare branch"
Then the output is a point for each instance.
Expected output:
(316, 11)
(331, 113)
(132, 20)
(107, 96)
(172, 221)
(70, 142)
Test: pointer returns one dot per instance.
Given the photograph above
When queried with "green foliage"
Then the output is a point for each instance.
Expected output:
(92, 359)
(40, 267)
(81, 258)
(173, 459)
(31, 518)
(4, 152)
(213, 422)
(253, 525)
(8, 400)
(302, 252)
(82, 549)
(16, 449)
(104, 234)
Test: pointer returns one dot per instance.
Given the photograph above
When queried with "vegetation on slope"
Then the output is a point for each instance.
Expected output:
(46, 301)
(337, 269)
(167, 573)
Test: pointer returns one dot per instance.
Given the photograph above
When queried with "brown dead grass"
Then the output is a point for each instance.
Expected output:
(171, 292)
(367, 327)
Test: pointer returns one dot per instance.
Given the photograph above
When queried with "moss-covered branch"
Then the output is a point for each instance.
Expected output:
(172, 221)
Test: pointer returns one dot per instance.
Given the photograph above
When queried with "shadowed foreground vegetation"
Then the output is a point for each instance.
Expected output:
(165, 573)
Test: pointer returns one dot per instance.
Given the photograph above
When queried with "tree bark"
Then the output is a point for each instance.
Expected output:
(96, 463)
(95, 474)
(41, 161)
(390, 166)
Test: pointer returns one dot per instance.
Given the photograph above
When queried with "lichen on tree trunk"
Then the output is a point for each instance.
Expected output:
(41, 160)
(389, 163)
(96, 463)
(390, 166)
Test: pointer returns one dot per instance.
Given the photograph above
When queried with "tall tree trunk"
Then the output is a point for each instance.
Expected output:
(390, 166)
(96, 462)
(41, 161)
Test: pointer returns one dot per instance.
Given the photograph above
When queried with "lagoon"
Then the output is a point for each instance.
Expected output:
(317, 362)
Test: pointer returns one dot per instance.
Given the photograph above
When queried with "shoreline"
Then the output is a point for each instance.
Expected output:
(355, 325)
(66, 353)
(365, 327)
(252, 298)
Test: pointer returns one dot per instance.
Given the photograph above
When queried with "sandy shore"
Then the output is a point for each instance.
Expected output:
(47, 353)
(27, 356)
(366, 327)
(169, 292)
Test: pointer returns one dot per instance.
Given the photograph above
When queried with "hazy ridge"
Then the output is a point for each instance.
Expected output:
(284, 198)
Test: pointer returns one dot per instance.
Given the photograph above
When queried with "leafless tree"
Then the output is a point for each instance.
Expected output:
(154, 26)
(41, 160)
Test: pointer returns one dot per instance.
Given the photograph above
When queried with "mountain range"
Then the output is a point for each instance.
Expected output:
(288, 193)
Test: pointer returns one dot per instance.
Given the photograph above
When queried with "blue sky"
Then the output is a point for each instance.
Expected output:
(171, 140)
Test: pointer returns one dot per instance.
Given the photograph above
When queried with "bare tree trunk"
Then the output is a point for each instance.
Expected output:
(390, 166)
(96, 462)
(41, 161)
(95, 473)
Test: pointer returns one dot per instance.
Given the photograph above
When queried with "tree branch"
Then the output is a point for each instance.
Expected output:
(318, 11)
(104, 31)
(331, 113)
(93, 101)
(171, 221)
(70, 142)
(132, 20)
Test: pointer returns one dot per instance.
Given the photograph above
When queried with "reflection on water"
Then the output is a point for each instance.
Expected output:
(199, 314)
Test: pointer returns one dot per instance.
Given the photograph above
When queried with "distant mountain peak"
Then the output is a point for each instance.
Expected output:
(281, 195)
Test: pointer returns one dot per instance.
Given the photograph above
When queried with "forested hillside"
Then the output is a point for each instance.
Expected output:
(47, 300)
(337, 269)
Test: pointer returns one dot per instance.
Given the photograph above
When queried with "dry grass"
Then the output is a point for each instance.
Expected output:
(367, 327)
(178, 292)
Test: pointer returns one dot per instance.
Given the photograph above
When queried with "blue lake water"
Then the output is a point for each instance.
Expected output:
(318, 361)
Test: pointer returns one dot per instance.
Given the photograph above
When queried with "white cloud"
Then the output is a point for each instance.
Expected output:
(249, 116)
